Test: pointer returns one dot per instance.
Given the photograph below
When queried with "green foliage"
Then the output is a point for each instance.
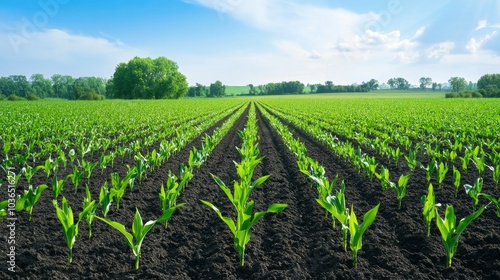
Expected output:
(139, 230)
(146, 78)
(429, 207)
(400, 188)
(450, 232)
(70, 228)
(356, 231)
(474, 191)
(29, 198)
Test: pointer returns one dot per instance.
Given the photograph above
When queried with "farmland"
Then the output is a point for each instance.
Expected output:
(369, 143)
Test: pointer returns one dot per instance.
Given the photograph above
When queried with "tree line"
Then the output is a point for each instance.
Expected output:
(58, 86)
(140, 78)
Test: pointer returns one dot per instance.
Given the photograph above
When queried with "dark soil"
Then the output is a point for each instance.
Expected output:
(298, 243)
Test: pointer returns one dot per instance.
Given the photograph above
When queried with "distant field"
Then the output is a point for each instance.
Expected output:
(238, 90)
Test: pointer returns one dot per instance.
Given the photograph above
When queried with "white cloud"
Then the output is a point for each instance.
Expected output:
(474, 45)
(481, 24)
(438, 51)
(54, 51)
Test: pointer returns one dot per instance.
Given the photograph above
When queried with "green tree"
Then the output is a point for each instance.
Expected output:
(41, 86)
(217, 89)
(457, 83)
(372, 84)
(148, 78)
(425, 82)
(488, 79)
(63, 86)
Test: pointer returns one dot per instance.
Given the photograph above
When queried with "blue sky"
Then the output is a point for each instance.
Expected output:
(259, 41)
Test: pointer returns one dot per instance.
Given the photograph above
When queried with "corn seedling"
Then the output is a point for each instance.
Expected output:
(429, 209)
(441, 174)
(480, 163)
(29, 198)
(496, 174)
(356, 231)
(29, 172)
(456, 180)
(244, 208)
(70, 228)
(87, 201)
(429, 169)
(48, 166)
(139, 230)
(57, 186)
(400, 188)
(450, 232)
(105, 199)
(495, 201)
(88, 167)
(76, 177)
(384, 178)
(335, 204)
(168, 199)
(474, 191)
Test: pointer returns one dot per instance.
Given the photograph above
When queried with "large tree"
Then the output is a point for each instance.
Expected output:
(398, 83)
(488, 79)
(425, 82)
(148, 78)
(217, 89)
(457, 83)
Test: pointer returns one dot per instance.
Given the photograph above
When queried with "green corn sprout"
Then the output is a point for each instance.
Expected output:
(70, 228)
(29, 198)
(91, 214)
(62, 158)
(76, 177)
(456, 180)
(88, 167)
(29, 172)
(141, 165)
(72, 155)
(370, 166)
(120, 185)
(139, 230)
(396, 154)
(496, 174)
(474, 192)
(429, 212)
(48, 166)
(325, 186)
(105, 199)
(384, 178)
(356, 231)
(104, 160)
(400, 188)
(185, 174)
(245, 220)
(494, 201)
(57, 186)
(335, 204)
(168, 199)
(450, 232)
(480, 163)
(441, 174)
(430, 169)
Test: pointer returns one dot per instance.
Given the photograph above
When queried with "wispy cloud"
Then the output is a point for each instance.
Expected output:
(474, 45)
(55, 50)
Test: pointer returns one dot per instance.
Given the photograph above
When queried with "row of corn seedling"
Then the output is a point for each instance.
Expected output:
(240, 194)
